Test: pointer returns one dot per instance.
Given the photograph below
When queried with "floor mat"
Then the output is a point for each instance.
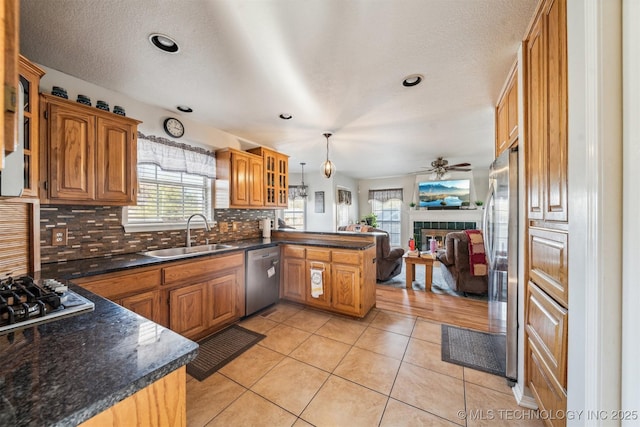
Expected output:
(221, 348)
(478, 350)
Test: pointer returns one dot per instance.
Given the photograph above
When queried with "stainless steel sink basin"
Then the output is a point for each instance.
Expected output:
(184, 252)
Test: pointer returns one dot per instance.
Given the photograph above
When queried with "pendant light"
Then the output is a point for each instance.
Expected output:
(302, 189)
(328, 168)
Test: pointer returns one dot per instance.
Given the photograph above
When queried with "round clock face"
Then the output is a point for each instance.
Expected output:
(174, 127)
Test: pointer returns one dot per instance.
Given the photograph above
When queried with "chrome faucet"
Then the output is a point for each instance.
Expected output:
(206, 224)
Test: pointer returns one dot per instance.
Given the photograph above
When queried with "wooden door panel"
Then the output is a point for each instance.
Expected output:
(512, 102)
(146, 305)
(548, 262)
(221, 300)
(115, 161)
(551, 397)
(256, 182)
(187, 315)
(346, 288)
(293, 279)
(556, 185)
(536, 122)
(72, 151)
(240, 179)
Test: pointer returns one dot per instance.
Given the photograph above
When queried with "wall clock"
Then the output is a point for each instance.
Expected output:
(174, 127)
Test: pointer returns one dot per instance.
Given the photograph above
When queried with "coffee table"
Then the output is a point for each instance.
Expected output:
(410, 265)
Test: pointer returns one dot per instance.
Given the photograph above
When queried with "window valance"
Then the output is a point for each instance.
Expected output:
(385, 195)
(176, 157)
(344, 197)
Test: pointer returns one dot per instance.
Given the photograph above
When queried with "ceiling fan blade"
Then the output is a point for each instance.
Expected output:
(459, 169)
(458, 165)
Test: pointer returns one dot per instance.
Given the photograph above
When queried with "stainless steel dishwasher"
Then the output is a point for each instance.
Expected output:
(262, 278)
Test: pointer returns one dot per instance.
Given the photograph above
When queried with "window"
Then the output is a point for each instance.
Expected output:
(389, 218)
(295, 212)
(343, 207)
(166, 197)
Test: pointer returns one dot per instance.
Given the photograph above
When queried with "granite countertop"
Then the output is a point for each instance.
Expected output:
(70, 270)
(66, 371)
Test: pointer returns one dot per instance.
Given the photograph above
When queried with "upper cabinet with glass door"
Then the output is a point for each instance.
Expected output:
(30, 75)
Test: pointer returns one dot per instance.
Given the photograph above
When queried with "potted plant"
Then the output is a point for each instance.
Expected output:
(371, 220)
(412, 205)
(479, 203)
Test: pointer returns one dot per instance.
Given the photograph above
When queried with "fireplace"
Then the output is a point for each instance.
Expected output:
(425, 230)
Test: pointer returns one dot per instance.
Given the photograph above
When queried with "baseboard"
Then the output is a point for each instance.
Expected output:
(523, 399)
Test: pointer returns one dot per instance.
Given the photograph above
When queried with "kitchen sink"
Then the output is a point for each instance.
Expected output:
(183, 252)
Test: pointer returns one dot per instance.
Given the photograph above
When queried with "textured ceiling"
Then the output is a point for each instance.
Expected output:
(335, 65)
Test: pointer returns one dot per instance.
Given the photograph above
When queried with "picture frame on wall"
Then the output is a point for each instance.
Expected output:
(319, 202)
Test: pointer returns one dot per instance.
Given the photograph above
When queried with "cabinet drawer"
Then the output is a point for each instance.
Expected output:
(185, 271)
(548, 262)
(551, 397)
(347, 257)
(293, 251)
(121, 284)
(319, 254)
(546, 326)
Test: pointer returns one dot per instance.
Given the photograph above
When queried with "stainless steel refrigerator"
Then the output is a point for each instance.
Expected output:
(501, 242)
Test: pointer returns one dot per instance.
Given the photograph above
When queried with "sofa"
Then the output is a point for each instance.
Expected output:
(455, 266)
(388, 260)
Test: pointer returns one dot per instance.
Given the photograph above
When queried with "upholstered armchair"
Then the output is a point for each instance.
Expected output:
(388, 260)
(455, 265)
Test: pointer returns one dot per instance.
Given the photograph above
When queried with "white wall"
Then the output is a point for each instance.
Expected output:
(478, 191)
(152, 117)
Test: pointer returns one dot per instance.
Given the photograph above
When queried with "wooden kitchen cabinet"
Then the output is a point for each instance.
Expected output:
(188, 306)
(9, 38)
(30, 75)
(507, 114)
(547, 292)
(276, 177)
(348, 278)
(88, 156)
(294, 276)
(241, 175)
(146, 305)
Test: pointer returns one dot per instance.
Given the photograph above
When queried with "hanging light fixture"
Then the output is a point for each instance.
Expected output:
(328, 168)
(302, 189)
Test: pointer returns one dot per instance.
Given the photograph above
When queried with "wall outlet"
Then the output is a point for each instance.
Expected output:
(59, 237)
(224, 227)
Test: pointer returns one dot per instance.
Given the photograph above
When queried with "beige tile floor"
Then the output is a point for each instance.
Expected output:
(315, 368)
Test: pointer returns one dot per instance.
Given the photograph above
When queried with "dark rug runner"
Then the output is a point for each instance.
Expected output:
(221, 348)
(478, 350)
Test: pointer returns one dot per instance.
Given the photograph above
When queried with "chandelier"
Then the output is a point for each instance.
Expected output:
(327, 167)
(299, 191)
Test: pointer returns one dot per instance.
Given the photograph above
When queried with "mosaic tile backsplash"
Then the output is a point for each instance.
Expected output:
(94, 232)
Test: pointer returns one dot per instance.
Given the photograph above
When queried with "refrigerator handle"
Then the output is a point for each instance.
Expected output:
(485, 222)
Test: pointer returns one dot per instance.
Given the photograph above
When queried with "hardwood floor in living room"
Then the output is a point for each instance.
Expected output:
(454, 310)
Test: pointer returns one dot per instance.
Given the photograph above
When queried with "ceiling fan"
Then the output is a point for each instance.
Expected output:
(440, 168)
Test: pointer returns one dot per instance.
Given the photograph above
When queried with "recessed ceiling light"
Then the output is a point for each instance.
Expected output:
(184, 109)
(412, 80)
(285, 116)
(164, 43)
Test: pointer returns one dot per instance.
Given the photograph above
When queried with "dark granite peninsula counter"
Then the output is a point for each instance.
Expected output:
(67, 371)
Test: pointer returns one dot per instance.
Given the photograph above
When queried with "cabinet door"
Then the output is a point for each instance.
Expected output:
(71, 154)
(221, 303)
(502, 113)
(146, 305)
(270, 181)
(536, 88)
(556, 104)
(282, 176)
(346, 288)
(256, 182)
(324, 300)
(116, 162)
(293, 279)
(512, 106)
(187, 310)
(240, 179)
(30, 79)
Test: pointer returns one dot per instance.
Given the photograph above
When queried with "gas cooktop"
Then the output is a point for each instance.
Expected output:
(25, 301)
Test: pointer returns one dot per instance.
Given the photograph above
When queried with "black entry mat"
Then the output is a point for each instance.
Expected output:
(478, 350)
(221, 348)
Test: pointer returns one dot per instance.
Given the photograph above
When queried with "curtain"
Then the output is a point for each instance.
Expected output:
(176, 157)
(344, 197)
(385, 195)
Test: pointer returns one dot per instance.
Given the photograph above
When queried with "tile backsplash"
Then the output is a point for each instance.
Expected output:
(94, 232)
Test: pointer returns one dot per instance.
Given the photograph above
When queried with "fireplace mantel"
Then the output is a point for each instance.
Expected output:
(449, 215)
